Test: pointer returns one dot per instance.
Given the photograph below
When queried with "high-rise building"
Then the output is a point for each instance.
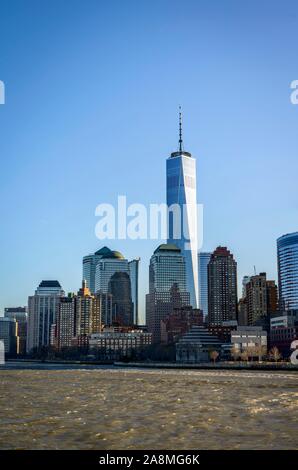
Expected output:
(256, 295)
(287, 260)
(65, 327)
(110, 263)
(81, 315)
(134, 280)
(167, 286)
(89, 268)
(222, 287)
(19, 314)
(203, 260)
(98, 268)
(259, 302)
(245, 280)
(120, 288)
(8, 334)
(182, 228)
(43, 309)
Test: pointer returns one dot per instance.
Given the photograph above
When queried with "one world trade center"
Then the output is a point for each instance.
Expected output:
(182, 207)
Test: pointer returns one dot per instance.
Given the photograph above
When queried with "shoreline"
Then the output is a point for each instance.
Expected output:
(36, 364)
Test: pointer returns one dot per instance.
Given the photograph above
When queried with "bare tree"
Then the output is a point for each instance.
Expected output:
(214, 355)
(235, 352)
(274, 354)
(244, 355)
(260, 351)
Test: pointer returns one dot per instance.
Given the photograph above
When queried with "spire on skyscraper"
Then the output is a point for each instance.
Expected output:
(180, 130)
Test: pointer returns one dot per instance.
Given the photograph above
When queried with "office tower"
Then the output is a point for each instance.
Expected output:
(182, 228)
(134, 280)
(43, 309)
(287, 260)
(19, 314)
(203, 260)
(109, 263)
(8, 334)
(167, 286)
(120, 289)
(89, 267)
(222, 287)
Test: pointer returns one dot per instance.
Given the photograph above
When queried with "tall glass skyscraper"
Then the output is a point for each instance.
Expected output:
(203, 260)
(182, 191)
(287, 260)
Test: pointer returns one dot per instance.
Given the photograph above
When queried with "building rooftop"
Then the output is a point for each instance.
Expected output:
(49, 284)
(167, 247)
(105, 252)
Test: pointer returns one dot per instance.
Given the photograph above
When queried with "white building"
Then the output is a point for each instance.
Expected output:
(109, 263)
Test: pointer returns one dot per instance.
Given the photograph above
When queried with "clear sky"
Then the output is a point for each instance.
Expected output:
(92, 91)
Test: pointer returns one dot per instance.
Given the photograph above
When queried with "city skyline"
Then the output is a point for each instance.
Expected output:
(244, 148)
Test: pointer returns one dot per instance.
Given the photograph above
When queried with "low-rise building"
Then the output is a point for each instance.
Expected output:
(8, 334)
(248, 337)
(196, 345)
(114, 343)
(283, 331)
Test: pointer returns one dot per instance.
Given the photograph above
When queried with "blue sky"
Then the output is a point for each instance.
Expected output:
(92, 91)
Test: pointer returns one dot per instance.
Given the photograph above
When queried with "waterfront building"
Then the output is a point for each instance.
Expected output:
(179, 322)
(167, 286)
(196, 345)
(8, 334)
(283, 331)
(2, 352)
(19, 314)
(134, 280)
(182, 229)
(287, 263)
(43, 308)
(249, 337)
(115, 343)
(203, 261)
(222, 287)
(109, 263)
(120, 289)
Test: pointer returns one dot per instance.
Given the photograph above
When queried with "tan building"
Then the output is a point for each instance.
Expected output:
(260, 299)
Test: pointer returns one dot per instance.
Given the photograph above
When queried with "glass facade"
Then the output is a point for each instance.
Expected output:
(203, 260)
(134, 279)
(167, 286)
(287, 259)
(181, 190)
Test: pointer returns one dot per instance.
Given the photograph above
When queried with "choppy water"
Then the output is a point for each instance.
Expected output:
(148, 409)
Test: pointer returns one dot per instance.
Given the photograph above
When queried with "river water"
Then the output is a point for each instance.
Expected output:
(109, 408)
